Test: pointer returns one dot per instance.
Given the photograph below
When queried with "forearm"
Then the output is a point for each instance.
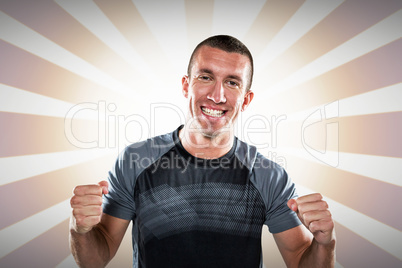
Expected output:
(317, 255)
(90, 249)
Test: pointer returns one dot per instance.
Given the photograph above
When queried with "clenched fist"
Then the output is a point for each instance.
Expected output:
(313, 212)
(87, 206)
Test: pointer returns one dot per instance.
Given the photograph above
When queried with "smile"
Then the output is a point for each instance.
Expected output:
(212, 112)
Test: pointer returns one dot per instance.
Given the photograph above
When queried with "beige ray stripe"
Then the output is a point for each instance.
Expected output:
(50, 20)
(130, 22)
(22, 232)
(235, 18)
(56, 185)
(16, 33)
(27, 134)
(383, 100)
(385, 237)
(54, 242)
(356, 251)
(361, 164)
(68, 262)
(199, 17)
(362, 193)
(89, 15)
(273, 16)
(375, 134)
(331, 32)
(48, 79)
(306, 17)
(16, 100)
(22, 167)
(376, 36)
(375, 70)
(167, 23)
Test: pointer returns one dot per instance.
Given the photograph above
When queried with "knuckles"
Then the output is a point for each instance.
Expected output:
(85, 200)
(77, 190)
(313, 206)
(86, 204)
(73, 201)
(82, 190)
(310, 213)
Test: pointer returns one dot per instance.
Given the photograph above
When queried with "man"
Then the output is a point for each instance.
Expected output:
(198, 197)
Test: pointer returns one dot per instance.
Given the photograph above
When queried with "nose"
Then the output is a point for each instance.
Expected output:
(217, 93)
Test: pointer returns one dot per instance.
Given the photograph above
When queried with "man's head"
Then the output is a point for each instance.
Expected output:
(228, 44)
(218, 85)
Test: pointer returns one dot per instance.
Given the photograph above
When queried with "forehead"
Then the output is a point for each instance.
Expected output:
(220, 61)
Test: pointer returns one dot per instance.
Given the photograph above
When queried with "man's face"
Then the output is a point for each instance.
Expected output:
(217, 90)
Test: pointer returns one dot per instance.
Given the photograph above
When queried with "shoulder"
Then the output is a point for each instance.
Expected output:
(138, 156)
(254, 160)
(150, 147)
(266, 175)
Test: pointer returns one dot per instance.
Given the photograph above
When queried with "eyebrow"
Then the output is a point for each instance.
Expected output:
(208, 71)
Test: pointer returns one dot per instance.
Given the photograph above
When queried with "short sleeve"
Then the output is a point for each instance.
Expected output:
(279, 216)
(276, 189)
(119, 202)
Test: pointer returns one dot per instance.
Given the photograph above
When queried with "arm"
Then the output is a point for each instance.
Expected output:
(311, 244)
(94, 236)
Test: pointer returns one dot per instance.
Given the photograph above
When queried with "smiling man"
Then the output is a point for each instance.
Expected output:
(217, 87)
(204, 195)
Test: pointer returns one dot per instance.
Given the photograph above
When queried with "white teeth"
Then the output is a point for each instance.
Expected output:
(211, 112)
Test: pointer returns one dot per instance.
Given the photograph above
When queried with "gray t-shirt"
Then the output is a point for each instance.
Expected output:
(193, 212)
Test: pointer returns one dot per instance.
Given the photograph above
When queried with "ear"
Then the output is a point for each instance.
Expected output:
(248, 97)
(185, 84)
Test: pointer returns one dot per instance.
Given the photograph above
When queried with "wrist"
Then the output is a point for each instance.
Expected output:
(75, 229)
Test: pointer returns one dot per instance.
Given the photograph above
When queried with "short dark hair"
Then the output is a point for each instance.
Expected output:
(228, 44)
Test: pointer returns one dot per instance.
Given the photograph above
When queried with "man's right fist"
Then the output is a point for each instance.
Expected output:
(87, 206)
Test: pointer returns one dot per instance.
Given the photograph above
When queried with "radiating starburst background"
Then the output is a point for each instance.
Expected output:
(79, 80)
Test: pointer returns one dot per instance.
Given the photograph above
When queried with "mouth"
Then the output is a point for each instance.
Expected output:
(213, 112)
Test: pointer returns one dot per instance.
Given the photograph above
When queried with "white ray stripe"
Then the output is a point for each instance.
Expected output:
(383, 100)
(24, 231)
(338, 265)
(226, 16)
(385, 237)
(92, 17)
(305, 18)
(19, 35)
(68, 262)
(364, 165)
(21, 167)
(167, 22)
(373, 38)
(16, 100)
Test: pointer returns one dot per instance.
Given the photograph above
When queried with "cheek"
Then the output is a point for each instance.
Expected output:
(237, 102)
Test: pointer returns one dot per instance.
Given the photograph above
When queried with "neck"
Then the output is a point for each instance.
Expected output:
(202, 146)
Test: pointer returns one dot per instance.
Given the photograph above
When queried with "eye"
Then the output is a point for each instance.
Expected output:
(204, 77)
(233, 84)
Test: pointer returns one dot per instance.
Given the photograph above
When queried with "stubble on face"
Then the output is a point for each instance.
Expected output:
(216, 91)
